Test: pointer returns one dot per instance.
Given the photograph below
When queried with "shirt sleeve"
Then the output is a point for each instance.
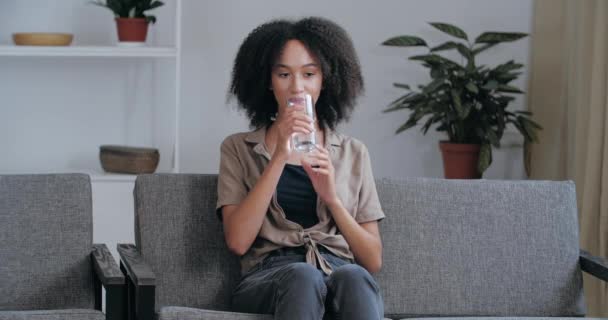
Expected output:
(231, 188)
(369, 208)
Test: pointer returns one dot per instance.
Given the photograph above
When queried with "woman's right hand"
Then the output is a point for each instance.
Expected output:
(292, 120)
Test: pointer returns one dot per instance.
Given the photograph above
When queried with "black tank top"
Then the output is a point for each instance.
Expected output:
(297, 197)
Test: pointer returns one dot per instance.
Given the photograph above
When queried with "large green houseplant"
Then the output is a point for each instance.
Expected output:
(467, 101)
(131, 20)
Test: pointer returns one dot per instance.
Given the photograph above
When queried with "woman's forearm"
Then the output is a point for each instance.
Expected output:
(242, 223)
(365, 245)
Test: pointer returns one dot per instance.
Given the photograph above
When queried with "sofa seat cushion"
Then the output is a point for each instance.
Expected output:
(183, 313)
(501, 318)
(64, 314)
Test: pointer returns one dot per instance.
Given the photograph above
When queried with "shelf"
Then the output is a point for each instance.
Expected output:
(100, 176)
(87, 51)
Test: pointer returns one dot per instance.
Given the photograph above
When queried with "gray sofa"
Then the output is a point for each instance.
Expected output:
(452, 248)
(49, 267)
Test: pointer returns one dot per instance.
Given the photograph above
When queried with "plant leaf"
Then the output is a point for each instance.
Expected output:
(497, 37)
(445, 46)
(436, 72)
(155, 5)
(395, 108)
(434, 85)
(436, 59)
(399, 102)
(490, 85)
(508, 88)
(406, 126)
(465, 52)
(507, 66)
(505, 78)
(530, 130)
(530, 127)
(405, 41)
(400, 99)
(485, 47)
(450, 29)
(485, 158)
(457, 103)
(534, 124)
(493, 138)
(472, 87)
(429, 122)
(505, 99)
(401, 85)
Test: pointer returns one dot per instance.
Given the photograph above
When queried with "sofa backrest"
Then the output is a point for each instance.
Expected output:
(181, 237)
(480, 248)
(46, 234)
(451, 247)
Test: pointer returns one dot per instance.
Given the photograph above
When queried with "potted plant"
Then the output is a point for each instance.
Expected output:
(467, 101)
(131, 22)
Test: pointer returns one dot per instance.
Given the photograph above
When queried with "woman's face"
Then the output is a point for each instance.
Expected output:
(294, 74)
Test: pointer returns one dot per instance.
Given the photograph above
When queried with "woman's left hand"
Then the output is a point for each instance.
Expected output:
(320, 170)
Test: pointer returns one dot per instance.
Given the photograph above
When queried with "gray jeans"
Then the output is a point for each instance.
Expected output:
(286, 286)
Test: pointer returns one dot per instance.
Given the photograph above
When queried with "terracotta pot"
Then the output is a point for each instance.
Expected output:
(132, 29)
(460, 160)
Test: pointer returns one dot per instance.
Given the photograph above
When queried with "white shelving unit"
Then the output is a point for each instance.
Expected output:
(116, 51)
(88, 51)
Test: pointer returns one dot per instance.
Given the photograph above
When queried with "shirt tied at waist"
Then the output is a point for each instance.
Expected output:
(314, 257)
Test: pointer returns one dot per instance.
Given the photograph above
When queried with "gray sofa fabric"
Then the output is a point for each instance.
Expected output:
(46, 238)
(180, 236)
(183, 313)
(68, 314)
(451, 247)
(500, 318)
(480, 248)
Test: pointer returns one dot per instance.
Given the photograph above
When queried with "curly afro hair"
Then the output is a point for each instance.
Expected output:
(327, 41)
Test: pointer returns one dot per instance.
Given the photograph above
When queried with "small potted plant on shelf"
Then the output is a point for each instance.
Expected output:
(467, 101)
(131, 22)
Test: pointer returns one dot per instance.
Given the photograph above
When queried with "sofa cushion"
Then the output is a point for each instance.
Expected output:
(503, 318)
(46, 234)
(180, 237)
(182, 313)
(480, 248)
(67, 314)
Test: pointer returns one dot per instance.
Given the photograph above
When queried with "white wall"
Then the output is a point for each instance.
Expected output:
(55, 112)
(213, 30)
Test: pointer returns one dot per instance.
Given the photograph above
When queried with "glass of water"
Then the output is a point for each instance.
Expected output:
(302, 142)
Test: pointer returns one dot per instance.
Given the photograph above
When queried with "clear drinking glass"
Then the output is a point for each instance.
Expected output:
(304, 142)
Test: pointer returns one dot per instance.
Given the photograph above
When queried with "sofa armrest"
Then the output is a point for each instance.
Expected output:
(105, 266)
(593, 265)
(141, 283)
(106, 273)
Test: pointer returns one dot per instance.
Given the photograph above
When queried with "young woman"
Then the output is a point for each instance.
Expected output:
(304, 224)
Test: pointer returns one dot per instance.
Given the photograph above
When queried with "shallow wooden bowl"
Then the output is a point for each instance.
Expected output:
(42, 39)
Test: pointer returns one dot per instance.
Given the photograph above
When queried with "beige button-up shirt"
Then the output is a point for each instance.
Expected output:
(243, 159)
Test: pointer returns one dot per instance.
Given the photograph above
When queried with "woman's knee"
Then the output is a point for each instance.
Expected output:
(301, 275)
(352, 275)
